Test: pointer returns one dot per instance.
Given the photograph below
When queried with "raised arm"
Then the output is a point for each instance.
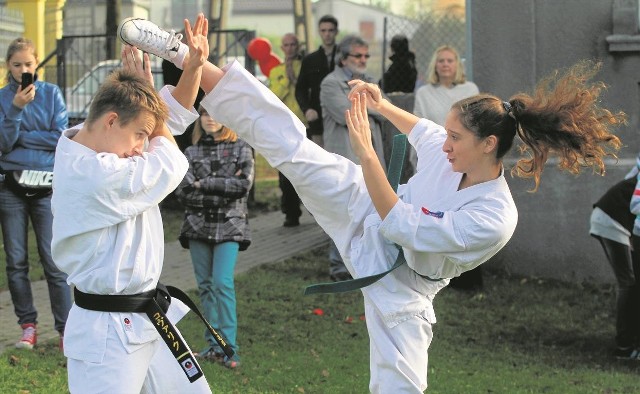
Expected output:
(401, 119)
(187, 88)
(382, 195)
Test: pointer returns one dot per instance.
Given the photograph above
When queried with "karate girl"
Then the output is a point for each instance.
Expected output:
(454, 214)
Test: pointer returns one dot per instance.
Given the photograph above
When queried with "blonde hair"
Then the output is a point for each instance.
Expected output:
(18, 45)
(127, 95)
(432, 75)
(562, 117)
(226, 134)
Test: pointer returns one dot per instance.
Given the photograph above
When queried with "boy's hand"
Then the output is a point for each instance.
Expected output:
(135, 62)
(198, 42)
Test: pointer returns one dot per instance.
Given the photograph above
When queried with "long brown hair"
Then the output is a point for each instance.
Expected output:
(562, 117)
(226, 134)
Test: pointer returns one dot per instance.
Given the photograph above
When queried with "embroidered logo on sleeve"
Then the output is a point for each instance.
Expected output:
(438, 215)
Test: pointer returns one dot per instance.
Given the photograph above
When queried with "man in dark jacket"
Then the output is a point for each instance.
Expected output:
(315, 67)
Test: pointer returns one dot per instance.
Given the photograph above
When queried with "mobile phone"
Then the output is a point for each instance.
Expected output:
(27, 79)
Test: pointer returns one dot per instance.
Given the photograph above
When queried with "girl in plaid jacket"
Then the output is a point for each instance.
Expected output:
(214, 193)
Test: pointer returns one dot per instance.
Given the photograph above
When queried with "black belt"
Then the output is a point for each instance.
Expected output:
(155, 304)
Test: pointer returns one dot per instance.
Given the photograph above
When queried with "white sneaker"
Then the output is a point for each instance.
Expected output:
(148, 37)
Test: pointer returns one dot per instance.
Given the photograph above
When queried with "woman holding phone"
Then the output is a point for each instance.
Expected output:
(32, 117)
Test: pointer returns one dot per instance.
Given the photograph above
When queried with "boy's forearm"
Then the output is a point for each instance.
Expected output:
(211, 75)
(163, 131)
(187, 89)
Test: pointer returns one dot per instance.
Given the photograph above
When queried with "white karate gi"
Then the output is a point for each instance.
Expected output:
(108, 237)
(443, 231)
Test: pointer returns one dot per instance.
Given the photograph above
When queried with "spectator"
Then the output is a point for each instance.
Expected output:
(446, 84)
(32, 120)
(402, 73)
(214, 192)
(282, 82)
(315, 67)
(612, 223)
(353, 54)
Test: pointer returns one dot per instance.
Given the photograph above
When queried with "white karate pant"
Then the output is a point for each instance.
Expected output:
(150, 369)
(332, 188)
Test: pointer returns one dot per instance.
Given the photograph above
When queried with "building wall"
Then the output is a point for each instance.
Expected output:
(514, 43)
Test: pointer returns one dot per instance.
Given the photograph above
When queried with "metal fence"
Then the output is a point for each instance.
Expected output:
(11, 27)
(84, 61)
(425, 35)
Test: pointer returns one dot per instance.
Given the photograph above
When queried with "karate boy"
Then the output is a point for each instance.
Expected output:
(107, 230)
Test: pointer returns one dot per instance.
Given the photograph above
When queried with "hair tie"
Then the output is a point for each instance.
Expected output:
(507, 107)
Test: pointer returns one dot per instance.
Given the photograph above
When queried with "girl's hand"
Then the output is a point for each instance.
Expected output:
(371, 93)
(359, 129)
(135, 62)
(198, 42)
(24, 97)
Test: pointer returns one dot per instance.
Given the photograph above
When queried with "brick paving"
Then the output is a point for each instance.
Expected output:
(270, 243)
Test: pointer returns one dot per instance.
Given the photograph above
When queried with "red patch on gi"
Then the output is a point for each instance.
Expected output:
(438, 214)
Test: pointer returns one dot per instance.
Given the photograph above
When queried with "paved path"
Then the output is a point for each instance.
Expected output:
(271, 243)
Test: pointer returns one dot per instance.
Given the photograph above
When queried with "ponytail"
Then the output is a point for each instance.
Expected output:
(561, 118)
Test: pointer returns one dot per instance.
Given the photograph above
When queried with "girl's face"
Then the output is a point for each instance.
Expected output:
(464, 150)
(446, 65)
(209, 125)
(23, 61)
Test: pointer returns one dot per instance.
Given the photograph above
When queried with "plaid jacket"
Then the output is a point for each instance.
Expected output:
(217, 211)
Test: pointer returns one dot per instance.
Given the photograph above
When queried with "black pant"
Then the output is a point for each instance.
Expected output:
(625, 263)
(289, 202)
(468, 280)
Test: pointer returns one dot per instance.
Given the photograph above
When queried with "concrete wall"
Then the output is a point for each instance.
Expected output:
(514, 43)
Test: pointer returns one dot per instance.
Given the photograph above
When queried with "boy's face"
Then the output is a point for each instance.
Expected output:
(128, 140)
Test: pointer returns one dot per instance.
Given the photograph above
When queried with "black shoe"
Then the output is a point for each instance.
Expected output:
(340, 276)
(290, 222)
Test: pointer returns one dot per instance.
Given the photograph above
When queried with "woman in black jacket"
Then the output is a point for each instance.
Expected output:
(402, 73)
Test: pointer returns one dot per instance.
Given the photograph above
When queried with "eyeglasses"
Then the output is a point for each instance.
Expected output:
(359, 55)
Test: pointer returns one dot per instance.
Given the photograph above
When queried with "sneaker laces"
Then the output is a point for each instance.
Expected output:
(28, 334)
(154, 36)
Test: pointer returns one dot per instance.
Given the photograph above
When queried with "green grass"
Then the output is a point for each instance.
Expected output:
(520, 335)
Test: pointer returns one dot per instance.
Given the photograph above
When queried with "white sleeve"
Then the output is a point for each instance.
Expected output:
(179, 117)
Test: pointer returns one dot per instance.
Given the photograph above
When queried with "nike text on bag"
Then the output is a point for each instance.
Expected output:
(29, 183)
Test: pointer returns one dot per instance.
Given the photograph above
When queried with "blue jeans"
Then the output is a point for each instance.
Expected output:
(214, 266)
(15, 213)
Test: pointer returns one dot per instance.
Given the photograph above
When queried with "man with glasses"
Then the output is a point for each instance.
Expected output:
(315, 67)
(353, 53)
